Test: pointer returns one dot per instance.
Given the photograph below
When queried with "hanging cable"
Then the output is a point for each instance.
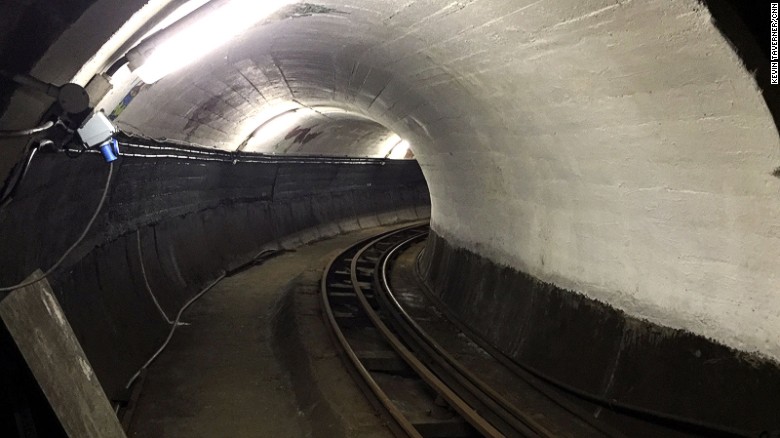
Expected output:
(75, 244)
(26, 132)
(9, 194)
(262, 255)
(146, 279)
(175, 324)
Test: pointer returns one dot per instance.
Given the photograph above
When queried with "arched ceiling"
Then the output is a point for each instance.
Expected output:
(295, 61)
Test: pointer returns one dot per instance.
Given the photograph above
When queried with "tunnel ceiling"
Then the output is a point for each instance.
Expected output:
(310, 60)
(619, 149)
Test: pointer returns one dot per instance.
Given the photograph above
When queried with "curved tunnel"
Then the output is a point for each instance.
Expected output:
(601, 177)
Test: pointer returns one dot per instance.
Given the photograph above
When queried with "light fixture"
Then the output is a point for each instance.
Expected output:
(195, 35)
(182, 11)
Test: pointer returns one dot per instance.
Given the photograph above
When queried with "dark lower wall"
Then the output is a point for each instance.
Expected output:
(194, 219)
(600, 350)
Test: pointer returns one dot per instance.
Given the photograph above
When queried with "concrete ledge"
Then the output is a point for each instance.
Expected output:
(600, 350)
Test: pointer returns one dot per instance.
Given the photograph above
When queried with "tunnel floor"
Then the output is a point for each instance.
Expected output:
(239, 369)
(256, 359)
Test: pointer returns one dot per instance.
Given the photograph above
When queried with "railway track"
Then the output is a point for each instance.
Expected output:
(425, 391)
(421, 389)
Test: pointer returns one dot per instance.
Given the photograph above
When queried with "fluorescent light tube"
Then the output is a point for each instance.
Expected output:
(197, 34)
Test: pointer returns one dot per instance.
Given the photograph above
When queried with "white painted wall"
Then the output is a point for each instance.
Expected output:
(632, 162)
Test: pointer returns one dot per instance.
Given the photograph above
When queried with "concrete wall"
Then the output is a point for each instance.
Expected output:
(621, 363)
(640, 175)
(194, 219)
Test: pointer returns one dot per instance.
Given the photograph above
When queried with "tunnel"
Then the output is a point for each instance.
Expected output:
(600, 181)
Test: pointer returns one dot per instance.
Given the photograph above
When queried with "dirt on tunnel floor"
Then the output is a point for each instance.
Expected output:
(256, 360)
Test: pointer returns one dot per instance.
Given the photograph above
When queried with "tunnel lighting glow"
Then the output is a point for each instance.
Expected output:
(179, 13)
(399, 151)
(393, 147)
(274, 130)
(156, 57)
(274, 123)
(252, 124)
(386, 146)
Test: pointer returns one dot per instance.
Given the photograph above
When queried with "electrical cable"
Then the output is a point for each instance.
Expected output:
(30, 157)
(119, 63)
(26, 132)
(70, 152)
(146, 279)
(75, 244)
(11, 192)
(175, 324)
(196, 151)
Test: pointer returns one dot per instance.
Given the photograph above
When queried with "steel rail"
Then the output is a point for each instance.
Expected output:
(395, 414)
(521, 421)
(456, 402)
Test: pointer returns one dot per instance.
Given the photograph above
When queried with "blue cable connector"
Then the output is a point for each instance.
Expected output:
(110, 150)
